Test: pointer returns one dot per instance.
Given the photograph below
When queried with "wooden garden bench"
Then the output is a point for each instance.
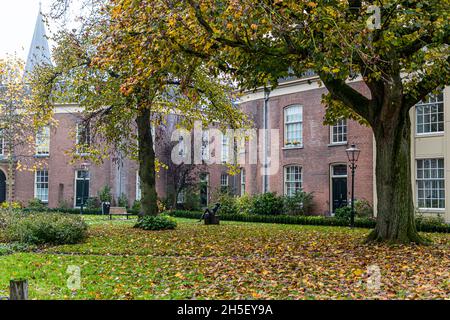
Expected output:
(118, 211)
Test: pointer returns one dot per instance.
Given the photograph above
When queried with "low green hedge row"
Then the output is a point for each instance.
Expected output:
(72, 211)
(305, 220)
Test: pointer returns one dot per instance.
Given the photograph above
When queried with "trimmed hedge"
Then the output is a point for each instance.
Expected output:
(73, 211)
(304, 220)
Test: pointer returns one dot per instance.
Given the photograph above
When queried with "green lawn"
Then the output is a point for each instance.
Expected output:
(231, 261)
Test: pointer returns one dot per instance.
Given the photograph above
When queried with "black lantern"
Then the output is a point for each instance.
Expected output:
(353, 155)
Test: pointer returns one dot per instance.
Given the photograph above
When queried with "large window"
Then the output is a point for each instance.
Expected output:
(242, 181)
(292, 180)
(225, 148)
(224, 182)
(41, 185)
(430, 184)
(43, 141)
(138, 187)
(205, 145)
(293, 126)
(430, 114)
(83, 138)
(339, 132)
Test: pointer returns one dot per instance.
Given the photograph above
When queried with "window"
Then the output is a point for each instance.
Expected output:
(205, 145)
(292, 180)
(43, 141)
(430, 114)
(242, 181)
(430, 184)
(339, 132)
(224, 182)
(138, 187)
(225, 148)
(181, 196)
(293, 126)
(41, 185)
(83, 138)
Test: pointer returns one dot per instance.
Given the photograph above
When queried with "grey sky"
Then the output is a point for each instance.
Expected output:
(17, 20)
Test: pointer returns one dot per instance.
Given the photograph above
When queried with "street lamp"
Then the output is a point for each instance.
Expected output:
(84, 170)
(353, 155)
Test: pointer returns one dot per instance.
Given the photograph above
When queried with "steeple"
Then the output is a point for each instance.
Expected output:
(39, 51)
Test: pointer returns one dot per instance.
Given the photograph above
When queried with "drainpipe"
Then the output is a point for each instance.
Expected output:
(266, 139)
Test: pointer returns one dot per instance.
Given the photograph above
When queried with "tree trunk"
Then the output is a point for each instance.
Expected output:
(395, 214)
(147, 171)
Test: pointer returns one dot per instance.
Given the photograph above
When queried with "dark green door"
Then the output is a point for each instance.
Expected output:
(339, 186)
(81, 188)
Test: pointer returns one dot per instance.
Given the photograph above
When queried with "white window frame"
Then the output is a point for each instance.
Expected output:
(138, 187)
(36, 182)
(340, 123)
(205, 145)
(224, 183)
(286, 181)
(436, 179)
(225, 150)
(181, 197)
(243, 177)
(43, 149)
(287, 124)
(431, 100)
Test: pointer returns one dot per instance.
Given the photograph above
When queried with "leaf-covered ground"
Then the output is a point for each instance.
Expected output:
(232, 261)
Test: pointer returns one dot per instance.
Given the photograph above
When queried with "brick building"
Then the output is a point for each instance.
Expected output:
(300, 151)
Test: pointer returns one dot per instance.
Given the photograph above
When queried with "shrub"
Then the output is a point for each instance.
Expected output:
(363, 208)
(191, 200)
(11, 205)
(160, 222)
(93, 203)
(343, 213)
(104, 194)
(244, 204)
(36, 204)
(227, 203)
(136, 207)
(122, 201)
(267, 204)
(300, 203)
(46, 228)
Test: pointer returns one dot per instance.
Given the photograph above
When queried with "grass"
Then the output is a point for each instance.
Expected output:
(231, 261)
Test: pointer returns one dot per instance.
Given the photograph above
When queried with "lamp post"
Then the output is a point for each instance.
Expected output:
(353, 155)
(84, 169)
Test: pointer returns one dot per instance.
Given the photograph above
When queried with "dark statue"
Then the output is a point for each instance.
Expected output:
(210, 216)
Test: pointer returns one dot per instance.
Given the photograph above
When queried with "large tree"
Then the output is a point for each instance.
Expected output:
(127, 78)
(399, 48)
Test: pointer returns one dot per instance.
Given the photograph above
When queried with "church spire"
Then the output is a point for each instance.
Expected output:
(39, 51)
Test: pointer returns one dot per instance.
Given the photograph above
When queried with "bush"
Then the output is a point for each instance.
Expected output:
(267, 204)
(161, 222)
(11, 205)
(36, 204)
(122, 201)
(93, 203)
(191, 200)
(301, 203)
(136, 207)
(244, 204)
(363, 208)
(46, 228)
(343, 213)
(104, 194)
(227, 203)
